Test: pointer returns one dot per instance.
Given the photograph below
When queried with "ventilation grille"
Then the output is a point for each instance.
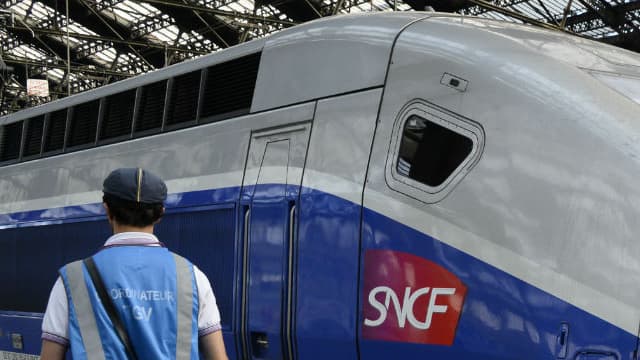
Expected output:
(10, 141)
(151, 106)
(33, 140)
(83, 124)
(118, 115)
(54, 139)
(184, 98)
(229, 86)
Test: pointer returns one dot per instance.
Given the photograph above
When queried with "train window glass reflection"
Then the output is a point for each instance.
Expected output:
(430, 153)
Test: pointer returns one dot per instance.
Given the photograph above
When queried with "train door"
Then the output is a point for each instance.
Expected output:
(329, 226)
(270, 190)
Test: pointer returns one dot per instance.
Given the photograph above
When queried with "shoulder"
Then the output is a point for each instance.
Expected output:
(56, 317)
(202, 282)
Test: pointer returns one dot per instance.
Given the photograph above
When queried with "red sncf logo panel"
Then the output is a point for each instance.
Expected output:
(410, 299)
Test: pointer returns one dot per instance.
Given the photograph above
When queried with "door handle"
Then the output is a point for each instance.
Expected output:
(259, 344)
(245, 265)
(563, 340)
(289, 314)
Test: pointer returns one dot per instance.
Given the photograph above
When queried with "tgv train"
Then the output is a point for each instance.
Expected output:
(389, 186)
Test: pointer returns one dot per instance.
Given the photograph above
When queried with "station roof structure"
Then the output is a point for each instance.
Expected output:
(103, 41)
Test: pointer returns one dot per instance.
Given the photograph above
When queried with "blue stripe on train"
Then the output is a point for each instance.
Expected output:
(81, 212)
(503, 317)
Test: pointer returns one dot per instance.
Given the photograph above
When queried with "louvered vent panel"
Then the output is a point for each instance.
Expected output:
(33, 140)
(118, 115)
(151, 106)
(84, 123)
(184, 98)
(10, 141)
(229, 86)
(54, 139)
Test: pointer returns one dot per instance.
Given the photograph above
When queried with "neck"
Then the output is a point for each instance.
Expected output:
(118, 228)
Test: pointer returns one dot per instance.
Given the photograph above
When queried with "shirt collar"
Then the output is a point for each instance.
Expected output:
(133, 238)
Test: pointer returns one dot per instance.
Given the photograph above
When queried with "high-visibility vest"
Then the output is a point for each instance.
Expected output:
(155, 294)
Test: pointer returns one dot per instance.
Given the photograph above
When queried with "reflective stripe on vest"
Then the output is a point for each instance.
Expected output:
(184, 303)
(84, 311)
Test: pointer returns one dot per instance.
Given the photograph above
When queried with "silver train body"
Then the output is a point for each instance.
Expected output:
(531, 238)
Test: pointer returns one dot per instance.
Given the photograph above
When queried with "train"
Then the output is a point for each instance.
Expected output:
(380, 186)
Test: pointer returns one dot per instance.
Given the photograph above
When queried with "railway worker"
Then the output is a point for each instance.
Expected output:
(149, 302)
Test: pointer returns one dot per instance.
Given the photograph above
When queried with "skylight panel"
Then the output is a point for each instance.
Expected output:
(79, 29)
(56, 74)
(38, 11)
(233, 7)
(577, 7)
(124, 14)
(164, 35)
(248, 5)
(173, 30)
(596, 33)
(528, 10)
(553, 6)
(140, 8)
(107, 56)
(23, 51)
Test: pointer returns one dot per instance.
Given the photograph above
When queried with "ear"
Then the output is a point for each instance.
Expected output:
(106, 208)
(160, 218)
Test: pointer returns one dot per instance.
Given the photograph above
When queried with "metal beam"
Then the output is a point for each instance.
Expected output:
(209, 26)
(53, 48)
(137, 43)
(613, 19)
(208, 10)
(62, 66)
(114, 31)
(297, 10)
(590, 15)
(517, 15)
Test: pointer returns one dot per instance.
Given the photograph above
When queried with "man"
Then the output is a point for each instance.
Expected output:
(165, 305)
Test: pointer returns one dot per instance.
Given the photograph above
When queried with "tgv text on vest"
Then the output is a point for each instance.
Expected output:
(142, 295)
(141, 313)
(405, 311)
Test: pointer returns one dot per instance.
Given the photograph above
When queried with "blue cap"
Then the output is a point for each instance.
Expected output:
(135, 184)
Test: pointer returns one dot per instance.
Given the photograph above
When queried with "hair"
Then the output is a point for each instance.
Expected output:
(133, 213)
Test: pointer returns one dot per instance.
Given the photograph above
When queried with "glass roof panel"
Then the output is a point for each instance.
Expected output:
(163, 29)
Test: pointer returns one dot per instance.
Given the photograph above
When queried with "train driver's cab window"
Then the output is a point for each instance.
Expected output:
(432, 151)
(429, 153)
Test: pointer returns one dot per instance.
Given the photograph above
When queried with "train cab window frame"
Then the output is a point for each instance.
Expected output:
(462, 139)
